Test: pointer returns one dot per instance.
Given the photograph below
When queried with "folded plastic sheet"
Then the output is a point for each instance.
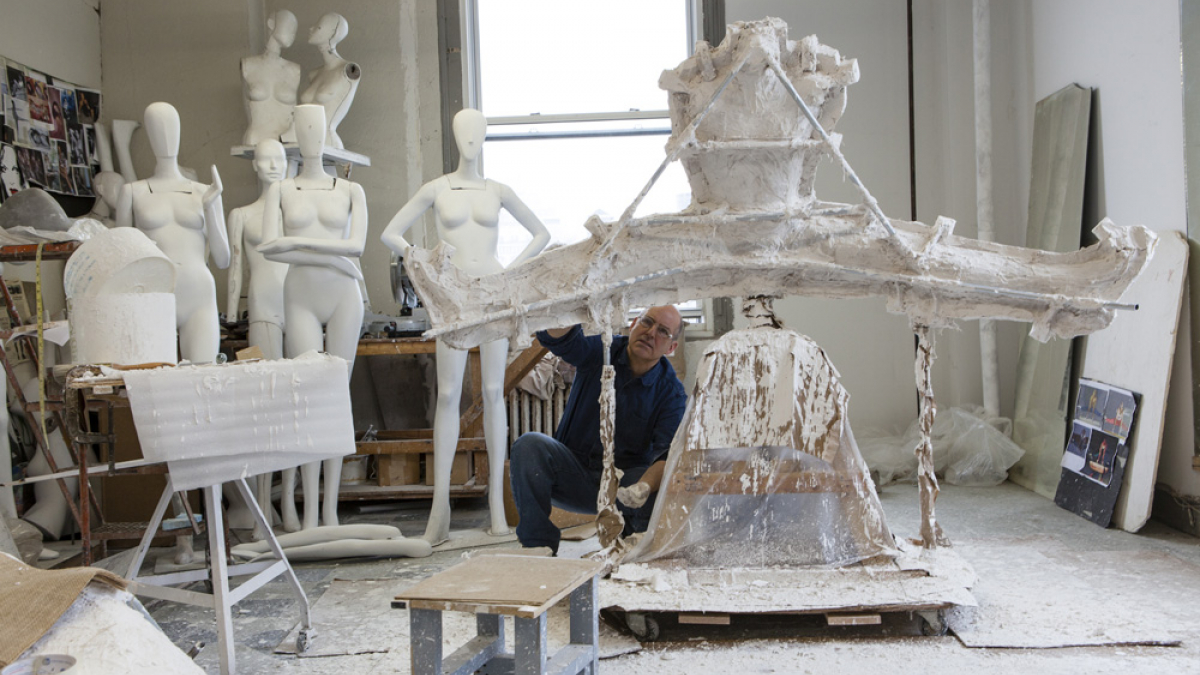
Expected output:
(216, 423)
(764, 470)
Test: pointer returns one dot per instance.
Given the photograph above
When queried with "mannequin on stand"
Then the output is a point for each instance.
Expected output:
(467, 208)
(334, 84)
(316, 223)
(264, 298)
(270, 82)
(186, 220)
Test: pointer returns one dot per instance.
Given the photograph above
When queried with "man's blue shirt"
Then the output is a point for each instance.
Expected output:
(649, 408)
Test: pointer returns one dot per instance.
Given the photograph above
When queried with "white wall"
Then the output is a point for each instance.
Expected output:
(57, 37)
(188, 54)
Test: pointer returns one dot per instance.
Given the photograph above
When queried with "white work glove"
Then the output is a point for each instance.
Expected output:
(634, 496)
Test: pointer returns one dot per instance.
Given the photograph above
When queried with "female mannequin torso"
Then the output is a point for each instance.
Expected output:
(269, 83)
(334, 84)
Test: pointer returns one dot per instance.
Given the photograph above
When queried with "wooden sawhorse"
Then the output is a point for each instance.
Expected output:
(495, 586)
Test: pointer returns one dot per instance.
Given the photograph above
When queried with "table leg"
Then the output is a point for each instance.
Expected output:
(585, 621)
(220, 578)
(529, 636)
(491, 625)
(425, 626)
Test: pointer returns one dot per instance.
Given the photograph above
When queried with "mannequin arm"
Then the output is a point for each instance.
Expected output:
(272, 216)
(410, 213)
(526, 217)
(233, 297)
(305, 258)
(344, 247)
(124, 216)
(214, 219)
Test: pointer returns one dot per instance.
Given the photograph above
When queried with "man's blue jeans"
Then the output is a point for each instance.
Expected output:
(546, 473)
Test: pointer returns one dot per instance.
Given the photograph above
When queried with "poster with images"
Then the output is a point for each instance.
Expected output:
(11, 180)
(49, 124)
(1093, 463)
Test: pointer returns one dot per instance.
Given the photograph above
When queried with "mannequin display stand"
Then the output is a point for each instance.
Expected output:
(329, 155)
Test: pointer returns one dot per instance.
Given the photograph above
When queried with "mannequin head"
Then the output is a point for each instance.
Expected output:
(470, 128)
(107, 185)
(282, 27)
(162, 127)
(329, 31)
(270, 161)
(310, 131)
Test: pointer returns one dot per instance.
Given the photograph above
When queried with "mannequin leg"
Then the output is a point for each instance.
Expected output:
(304, 333)
(494, 360)
(287, 501)
(200, 332)
(268, 337)
(451, 363)
(310, 475)
(341, 339)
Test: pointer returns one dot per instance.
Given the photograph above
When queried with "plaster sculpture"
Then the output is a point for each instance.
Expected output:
(751, 119)
(186, 220)
(317, 223)
(270, 82)
(264, 299)
(467, 209)
(334, 84)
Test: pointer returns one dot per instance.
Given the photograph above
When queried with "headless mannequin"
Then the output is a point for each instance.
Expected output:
(265, 296)
(269, 83)
(316, 223)
(185, 219)
(333, 85)
(467, 207)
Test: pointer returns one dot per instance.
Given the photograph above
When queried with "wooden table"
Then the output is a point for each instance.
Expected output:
(494, 586)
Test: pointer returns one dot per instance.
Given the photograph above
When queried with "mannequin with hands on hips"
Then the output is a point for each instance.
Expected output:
(316, 223)
(467, 209)
(264, 298)
(270, 82)
(334, 84)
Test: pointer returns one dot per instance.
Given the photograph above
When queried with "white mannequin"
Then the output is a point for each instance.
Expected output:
(270, 82)
(183, 218)
(265, 296)
(334, 84)
(467, 207)
(316, 223)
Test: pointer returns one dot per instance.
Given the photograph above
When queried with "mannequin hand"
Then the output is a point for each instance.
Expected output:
(214, 191)
(634, 496)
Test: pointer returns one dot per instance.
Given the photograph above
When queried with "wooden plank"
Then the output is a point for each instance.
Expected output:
(412, 446)
(853, 619)
(370, 493)
(511, 585)
(1135, 352)
(704, 618)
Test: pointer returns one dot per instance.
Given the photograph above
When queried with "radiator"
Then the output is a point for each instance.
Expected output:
(527, 412)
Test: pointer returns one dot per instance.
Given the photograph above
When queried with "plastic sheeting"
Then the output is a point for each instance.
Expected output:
(764, 470)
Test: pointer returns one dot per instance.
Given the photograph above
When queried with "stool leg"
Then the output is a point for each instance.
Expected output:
(491, 625)
(426, 641)
(585, 621)
(529, 636)
(220, 578)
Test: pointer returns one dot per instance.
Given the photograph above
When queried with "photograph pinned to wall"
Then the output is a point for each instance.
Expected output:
(1093, 465)
(39, 136)
(35, 93)
(11, 180)
(53, 177)
(87, 102)
(63, 164)
(18, 111)
(16, 80)
(58, 124)
(33, 167)
(76, 145)
(70, 112)
(89, 135)
(82, 177)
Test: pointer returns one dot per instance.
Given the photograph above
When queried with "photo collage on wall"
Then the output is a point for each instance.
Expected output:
(1103, 419)
(49, 134)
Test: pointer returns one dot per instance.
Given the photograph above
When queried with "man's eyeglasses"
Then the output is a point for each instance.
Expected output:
(661, 332)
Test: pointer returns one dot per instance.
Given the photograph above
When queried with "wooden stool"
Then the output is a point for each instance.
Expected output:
(494, 586)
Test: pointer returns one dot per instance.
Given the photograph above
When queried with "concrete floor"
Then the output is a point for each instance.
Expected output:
(1002, 531)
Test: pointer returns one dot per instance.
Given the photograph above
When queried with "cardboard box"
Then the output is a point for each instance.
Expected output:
(396, 470)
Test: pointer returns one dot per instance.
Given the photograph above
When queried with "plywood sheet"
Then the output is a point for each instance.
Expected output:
(1135, 352)
(504, 580)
